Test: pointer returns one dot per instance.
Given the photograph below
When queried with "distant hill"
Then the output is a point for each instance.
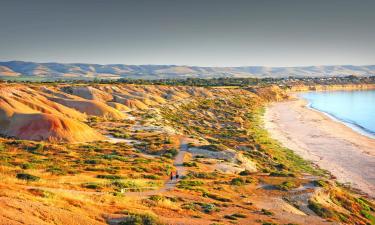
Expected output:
(113, 71)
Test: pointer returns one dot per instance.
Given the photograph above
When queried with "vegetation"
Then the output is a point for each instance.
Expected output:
(28, 177)
(232, 153)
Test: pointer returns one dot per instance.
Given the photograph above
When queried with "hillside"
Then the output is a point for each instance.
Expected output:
(231, 171)
(114, 71)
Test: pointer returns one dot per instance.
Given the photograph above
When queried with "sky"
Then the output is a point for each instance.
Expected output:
(189, 32)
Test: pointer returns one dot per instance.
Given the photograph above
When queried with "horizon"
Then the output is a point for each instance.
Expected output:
(126, 64)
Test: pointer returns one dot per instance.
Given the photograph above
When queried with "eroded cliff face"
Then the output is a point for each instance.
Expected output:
(336, 87)
(59, 113)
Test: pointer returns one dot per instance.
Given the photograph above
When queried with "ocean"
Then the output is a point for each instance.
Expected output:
(356, 109)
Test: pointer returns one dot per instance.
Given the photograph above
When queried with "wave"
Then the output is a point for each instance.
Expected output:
(350, 123)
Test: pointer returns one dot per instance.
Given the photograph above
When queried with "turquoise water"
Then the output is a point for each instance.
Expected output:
(354, 108)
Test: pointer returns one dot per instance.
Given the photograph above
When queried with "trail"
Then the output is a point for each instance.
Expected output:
(168, 185)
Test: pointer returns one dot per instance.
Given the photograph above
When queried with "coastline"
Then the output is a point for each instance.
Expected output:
(355, 127)
(328, 143)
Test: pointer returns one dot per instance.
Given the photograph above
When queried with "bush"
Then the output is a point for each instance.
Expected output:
(156, 198)
(92, 185)
(172, 151)
(151, 176)
(245, 173)
(320, 183)
(239, 215)
(368, 215)
(2, 147)
(56, 170)
(320, 210)
(203, 175)
(238, 181)
(286, 185)
(214, 147)
(109, 176)
(39, 147)
(189, 184)
(209, 208)
(282, 174)
(266, 212)
(139, 219)
(230, 217)
(190, 164)
(216, 197)
(26, 166)
(28, 177)
(91, 161)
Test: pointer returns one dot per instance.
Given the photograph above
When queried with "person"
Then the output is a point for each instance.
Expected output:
(171, 175)
(177, 176)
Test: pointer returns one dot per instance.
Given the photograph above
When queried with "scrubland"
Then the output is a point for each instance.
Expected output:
(234, 173)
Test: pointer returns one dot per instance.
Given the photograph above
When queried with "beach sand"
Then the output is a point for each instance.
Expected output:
(333, 146)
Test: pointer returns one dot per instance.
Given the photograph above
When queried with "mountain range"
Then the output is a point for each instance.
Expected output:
(114, 71)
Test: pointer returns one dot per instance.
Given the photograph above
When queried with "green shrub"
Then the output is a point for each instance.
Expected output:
(39, 147)
(286, 185)
(214, 147)
(320, 183)
(245, 173)
(237, 181)
(216, 197)
(139, 219)
(56, 170)
(2, 147)
(364, 204)
(156, 198)
(121, 135)
(172, 151)
(320, 210)
(239, 215)
(188, 184)
(151, 176)
(92, 185)
(266, 212)
(209, 208)
(28, 177)
(203, 175)
(91, 161)
(26, 166)
(190, 164)
(281, 174)
(230, 217)
(367, 215)
(109, 176)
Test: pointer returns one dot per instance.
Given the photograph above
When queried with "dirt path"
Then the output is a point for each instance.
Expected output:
(168, 185)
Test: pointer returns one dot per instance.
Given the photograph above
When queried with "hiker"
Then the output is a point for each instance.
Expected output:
(177, 176)
(171, 175)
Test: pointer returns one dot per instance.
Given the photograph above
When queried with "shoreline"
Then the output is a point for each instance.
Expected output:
(355, 127)
(328, 143)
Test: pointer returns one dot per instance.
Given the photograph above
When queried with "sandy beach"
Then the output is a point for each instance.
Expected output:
(331, 145)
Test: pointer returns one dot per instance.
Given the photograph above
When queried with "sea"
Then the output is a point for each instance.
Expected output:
(355, 109)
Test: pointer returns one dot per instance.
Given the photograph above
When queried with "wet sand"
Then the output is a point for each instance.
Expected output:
(333, 146)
